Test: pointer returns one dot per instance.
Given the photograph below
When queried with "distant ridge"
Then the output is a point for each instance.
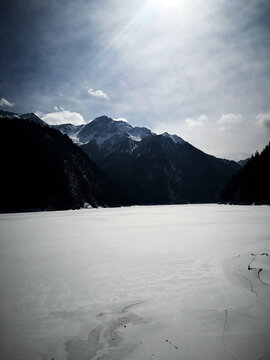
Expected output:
(29, 116)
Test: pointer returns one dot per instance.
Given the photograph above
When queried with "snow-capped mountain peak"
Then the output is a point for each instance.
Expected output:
(104, 128)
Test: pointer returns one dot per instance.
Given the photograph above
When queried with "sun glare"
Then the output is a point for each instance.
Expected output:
(164, 4)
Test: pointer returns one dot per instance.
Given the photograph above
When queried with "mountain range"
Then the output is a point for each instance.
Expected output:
(151, 168)
(108, 162)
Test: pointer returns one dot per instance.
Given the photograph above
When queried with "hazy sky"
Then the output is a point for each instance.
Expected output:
(197, 68)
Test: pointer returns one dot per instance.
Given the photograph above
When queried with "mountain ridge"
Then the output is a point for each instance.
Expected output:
(27, 116)
(149, 168)
(103, 127)
(155, 169)
(43, 169)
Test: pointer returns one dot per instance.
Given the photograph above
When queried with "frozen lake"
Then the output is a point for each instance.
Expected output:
(160, 282)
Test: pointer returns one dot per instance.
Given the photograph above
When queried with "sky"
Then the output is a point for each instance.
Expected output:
(199, 69)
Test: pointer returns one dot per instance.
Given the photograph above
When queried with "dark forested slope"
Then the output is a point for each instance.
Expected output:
(43, 169)
(251, 185)
(158, 170)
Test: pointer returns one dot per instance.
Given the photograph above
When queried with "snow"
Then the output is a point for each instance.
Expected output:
(103, 128)
(135, 138)
(100, 139)
(154, 282)
(176, 139)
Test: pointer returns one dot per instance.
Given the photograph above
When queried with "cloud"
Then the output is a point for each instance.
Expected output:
(200, 121)
(58, 108)
(5, 102)
(98, 94)
(62, 117)
(236, 142)
(229, 121)
(263, 120)
(167, 61)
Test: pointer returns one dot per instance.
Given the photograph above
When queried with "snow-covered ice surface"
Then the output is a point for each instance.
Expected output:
(160, 282)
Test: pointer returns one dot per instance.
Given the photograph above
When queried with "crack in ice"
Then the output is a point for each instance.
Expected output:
(125, 308)
(249, 265)
(259, 277)
(259, 269)
(223, 335)
(249, 281)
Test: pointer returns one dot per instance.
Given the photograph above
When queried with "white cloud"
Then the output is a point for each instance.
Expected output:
(5, 102)
(229, 121)
(98, 94)
(58, 108)
(237, 142)
(62, 117)
(200, 121)
(263, 120)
